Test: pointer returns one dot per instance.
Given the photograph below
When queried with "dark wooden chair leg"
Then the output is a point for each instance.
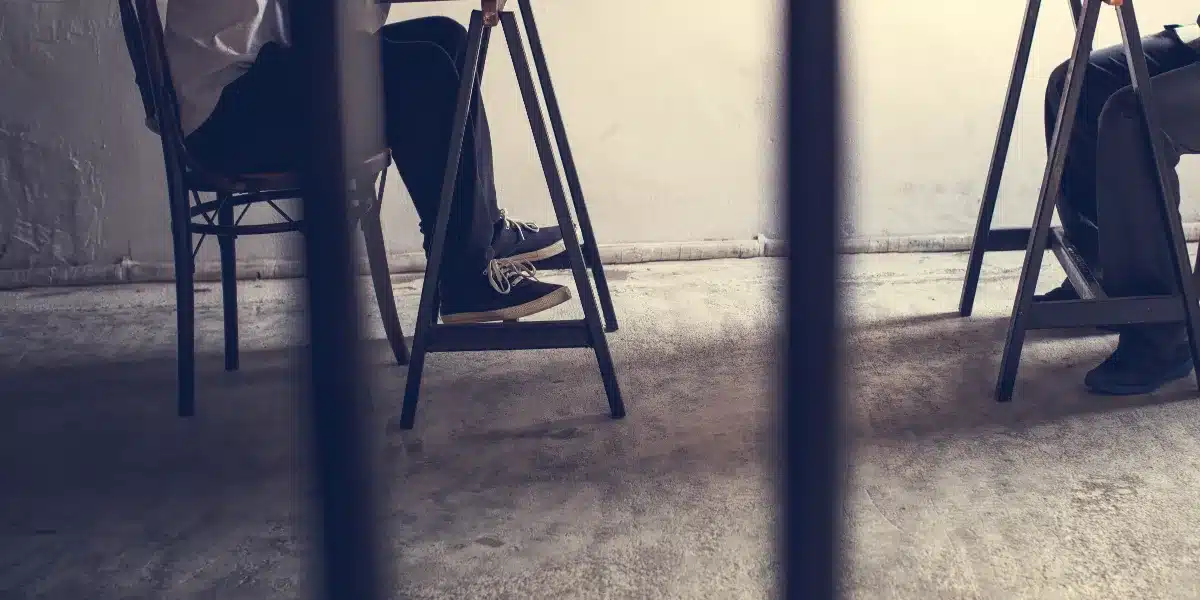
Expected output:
(229, 301)
(185, 304)
(541, 138)
(568, 161)
(381, 278)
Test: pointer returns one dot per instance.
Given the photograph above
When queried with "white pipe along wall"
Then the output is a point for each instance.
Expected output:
(671, 107)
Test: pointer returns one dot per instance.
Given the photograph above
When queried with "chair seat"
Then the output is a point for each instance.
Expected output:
(248, 183)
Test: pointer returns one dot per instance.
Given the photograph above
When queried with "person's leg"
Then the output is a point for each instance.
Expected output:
(422, 61)
(1134, 249)
(1106, 74)
(256, 126)
(511, 240)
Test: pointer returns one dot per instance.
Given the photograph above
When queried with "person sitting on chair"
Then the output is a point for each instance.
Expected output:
(237, 81)
(1108, 204)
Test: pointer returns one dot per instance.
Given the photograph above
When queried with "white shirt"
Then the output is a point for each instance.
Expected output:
(210, 43)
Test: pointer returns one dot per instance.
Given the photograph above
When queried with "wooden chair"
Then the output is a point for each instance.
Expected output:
(187, 179)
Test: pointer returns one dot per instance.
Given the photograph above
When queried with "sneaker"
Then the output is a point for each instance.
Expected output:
(525, 241)
(1065, 292)
(1133, 370)
(509, 290)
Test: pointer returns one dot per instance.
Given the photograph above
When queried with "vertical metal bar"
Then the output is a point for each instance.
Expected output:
(1085, 32)
(568, 161)
(814, 171)
(427, 313)
(1135, 56)
(991, 189)
(338, 392)
(541, 139)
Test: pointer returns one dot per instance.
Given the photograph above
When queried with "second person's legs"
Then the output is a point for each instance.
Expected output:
(1134, 247)
(1106, 74)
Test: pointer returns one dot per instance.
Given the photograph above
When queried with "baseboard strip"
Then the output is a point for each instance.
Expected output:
(612, 254)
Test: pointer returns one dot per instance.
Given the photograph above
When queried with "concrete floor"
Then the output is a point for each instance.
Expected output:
(515, 484)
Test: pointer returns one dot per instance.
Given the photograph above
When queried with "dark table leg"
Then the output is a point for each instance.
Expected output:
(568, 161)
(541, 138)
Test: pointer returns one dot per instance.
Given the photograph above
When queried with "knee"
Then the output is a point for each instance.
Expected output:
(1056, 84)
(1120, 107)
(447, 33)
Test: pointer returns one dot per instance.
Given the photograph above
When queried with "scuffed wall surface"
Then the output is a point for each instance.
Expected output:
(71, 173)
(51, 200)
(53, 205)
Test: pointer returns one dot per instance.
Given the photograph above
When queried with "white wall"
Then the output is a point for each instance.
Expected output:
(670, 106)
(927, 84)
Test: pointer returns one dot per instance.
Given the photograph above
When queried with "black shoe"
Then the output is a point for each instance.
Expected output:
(1062, 293)
(523, 241)
(1065, 292)
(1135, 369)
(507, 291)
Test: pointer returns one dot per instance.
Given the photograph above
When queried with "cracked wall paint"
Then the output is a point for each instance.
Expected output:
(52, 202)
(53, 205)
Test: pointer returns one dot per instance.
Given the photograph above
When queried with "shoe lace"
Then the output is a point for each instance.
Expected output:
(519, 226)
(504, 274)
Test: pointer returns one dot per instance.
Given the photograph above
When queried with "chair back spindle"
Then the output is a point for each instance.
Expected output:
(143, 28)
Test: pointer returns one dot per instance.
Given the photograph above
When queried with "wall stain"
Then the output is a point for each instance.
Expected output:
(50, 204)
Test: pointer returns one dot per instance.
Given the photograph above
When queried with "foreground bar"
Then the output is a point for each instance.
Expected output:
(349, 564)
(811, 515)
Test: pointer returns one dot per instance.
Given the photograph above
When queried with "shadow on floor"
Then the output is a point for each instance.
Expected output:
(101, 475)
(936, 374)
(92, 436)
(514, 468)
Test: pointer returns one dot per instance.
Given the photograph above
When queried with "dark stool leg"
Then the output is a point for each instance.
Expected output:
(229, 300)
(541, 138)
(1168, 203)
(427, 314)
(1008, 117)
(568, 161)
(1051, 184)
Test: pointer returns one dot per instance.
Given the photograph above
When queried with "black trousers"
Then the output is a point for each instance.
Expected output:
(1108, 202)
(258, 126)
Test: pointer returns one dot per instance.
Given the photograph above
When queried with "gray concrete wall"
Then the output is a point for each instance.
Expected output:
(671, 107)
